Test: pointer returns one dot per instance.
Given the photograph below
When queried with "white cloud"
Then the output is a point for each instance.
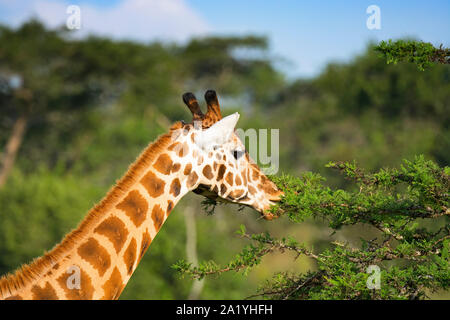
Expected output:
(142, 20)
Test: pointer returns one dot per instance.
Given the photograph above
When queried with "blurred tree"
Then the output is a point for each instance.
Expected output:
(234, 66)
(45, 86)
(364, 110)
(50, 83)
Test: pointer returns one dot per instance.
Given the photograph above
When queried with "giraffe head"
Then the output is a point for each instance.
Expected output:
(222, 168)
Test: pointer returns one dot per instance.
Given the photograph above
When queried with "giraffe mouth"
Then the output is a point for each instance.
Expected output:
(205, 190)
(266, 214)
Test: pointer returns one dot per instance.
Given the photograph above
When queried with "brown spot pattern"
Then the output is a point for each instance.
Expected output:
(175, 187)
(129, 256)
(45, 293)
(146, 241)
(154, 185)
(244, 177)
(174, 146)
(235, 194)
(86, 290)
(135, 206)
(163, 164)
(229, 178)
(158, 216)
(192, 179)
(96, 255)
(221, 172)
(175, 167)
(114, 229)
(207, 172)
(114, 286)
(187, 169)
(223, 189)
(238, 180)
(183, 150)
(255, 175)
(268, 187)
(169, 207)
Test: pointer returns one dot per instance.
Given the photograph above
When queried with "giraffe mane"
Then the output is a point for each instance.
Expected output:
(26, 274)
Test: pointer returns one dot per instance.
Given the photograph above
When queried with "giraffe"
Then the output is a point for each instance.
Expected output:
(96, 260)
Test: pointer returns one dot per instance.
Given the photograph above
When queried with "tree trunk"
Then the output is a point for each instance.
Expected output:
(12, 146)
(191, 250)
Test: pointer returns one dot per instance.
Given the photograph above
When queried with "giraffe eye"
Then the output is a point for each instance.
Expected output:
(237, 154)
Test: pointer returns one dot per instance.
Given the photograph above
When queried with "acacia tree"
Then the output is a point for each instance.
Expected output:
(410, 209)
(423, 54)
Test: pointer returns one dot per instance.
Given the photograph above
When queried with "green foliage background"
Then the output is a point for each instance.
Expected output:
(92, 105)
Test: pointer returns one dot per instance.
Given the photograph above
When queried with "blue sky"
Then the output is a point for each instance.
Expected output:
(308, 34)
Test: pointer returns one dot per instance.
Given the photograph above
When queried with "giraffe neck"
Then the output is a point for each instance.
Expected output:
(96, 260)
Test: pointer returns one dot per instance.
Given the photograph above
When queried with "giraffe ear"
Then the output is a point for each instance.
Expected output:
(219, 133)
